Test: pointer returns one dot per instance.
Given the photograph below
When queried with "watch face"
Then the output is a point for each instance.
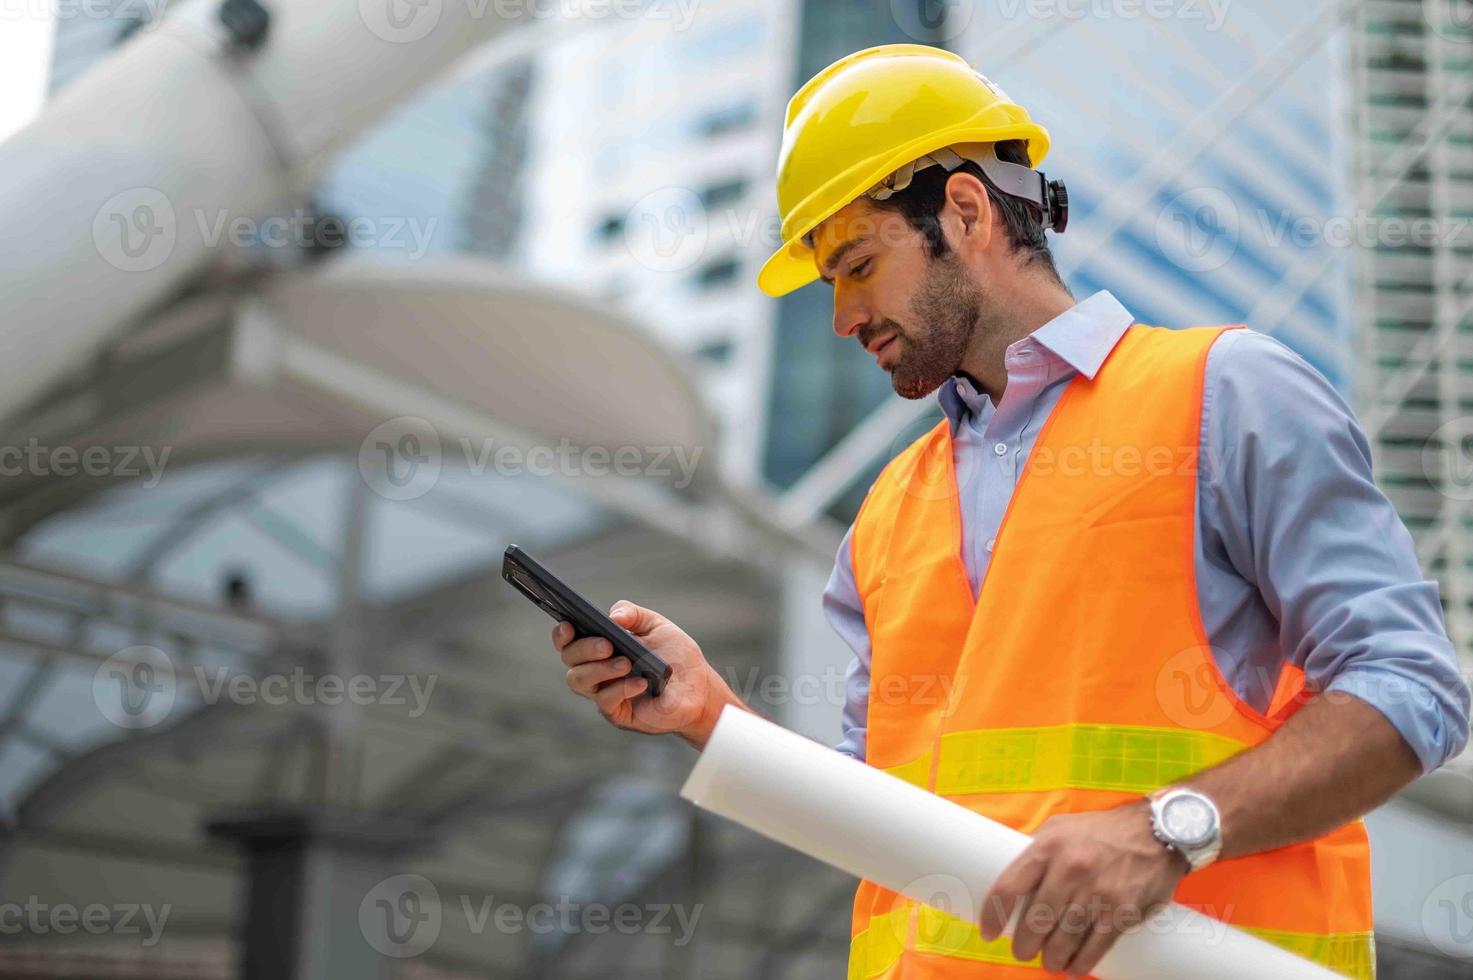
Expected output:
(1188, 820)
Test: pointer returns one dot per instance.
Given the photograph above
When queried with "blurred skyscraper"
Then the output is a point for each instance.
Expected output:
(821, 387)
(495, 206)
(626, 158)
(649, 177)
(450, 162)
(1413, 127)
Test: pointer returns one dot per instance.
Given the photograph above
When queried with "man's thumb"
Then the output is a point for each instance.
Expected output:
(635, 619)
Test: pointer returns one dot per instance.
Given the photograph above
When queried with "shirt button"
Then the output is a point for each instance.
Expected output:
(1001, 449)
(990, 543)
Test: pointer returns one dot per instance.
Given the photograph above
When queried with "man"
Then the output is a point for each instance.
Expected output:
(1136, 594)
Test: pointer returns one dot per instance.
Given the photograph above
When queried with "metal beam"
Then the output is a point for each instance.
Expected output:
(131, 604)
(184, 527)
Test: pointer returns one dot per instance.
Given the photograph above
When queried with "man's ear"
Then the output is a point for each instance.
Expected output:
(970, 210)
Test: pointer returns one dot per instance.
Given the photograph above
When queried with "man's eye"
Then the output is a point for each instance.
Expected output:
(860, 269)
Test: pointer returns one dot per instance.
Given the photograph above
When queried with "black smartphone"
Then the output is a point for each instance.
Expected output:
(564, 605)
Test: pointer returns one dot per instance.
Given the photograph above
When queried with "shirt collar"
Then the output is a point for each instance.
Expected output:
(1082, 337)
(1085, 334)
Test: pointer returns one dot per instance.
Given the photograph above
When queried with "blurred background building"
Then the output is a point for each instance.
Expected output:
(552, 247)
(1412, 76)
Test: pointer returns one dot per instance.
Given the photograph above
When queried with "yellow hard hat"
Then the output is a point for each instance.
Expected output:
(863, 117)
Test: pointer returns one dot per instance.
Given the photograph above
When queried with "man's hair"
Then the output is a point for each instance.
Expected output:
(921, 203)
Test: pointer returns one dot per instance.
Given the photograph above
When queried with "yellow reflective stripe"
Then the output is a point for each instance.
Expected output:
(916, 772)
(1107, 757)
(1132, 759)
(1350, 954)
(879, 947)
(938, 932)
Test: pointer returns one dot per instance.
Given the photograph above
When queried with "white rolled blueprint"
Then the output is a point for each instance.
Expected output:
(872, 825)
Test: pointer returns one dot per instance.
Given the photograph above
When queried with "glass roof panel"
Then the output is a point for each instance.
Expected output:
(21, 766)
(65, 712)
(278, 526)
(464, 523)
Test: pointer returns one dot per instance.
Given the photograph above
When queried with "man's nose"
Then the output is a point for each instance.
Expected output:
(848, 317)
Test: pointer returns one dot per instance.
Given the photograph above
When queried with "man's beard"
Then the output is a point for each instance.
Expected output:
(948, 308)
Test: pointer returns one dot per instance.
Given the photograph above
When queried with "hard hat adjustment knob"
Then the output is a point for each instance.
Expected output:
(1058, 206)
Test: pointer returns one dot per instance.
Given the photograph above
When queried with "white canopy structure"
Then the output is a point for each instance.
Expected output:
(121, 182)
(274, 400)
(312, 470)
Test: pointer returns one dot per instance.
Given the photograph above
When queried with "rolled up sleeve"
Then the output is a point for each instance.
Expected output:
(1289, 472)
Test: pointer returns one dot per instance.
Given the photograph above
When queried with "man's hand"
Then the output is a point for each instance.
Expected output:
(691, 699)
(1085, 878)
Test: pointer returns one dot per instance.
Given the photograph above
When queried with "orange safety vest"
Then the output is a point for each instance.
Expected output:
(1081, 678)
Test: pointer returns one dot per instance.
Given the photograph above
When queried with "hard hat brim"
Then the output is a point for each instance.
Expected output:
(792, 266)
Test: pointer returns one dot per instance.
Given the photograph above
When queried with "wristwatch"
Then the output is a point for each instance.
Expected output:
(1187, 822)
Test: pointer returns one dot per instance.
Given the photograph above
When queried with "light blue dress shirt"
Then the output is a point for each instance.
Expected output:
(1300, 557)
